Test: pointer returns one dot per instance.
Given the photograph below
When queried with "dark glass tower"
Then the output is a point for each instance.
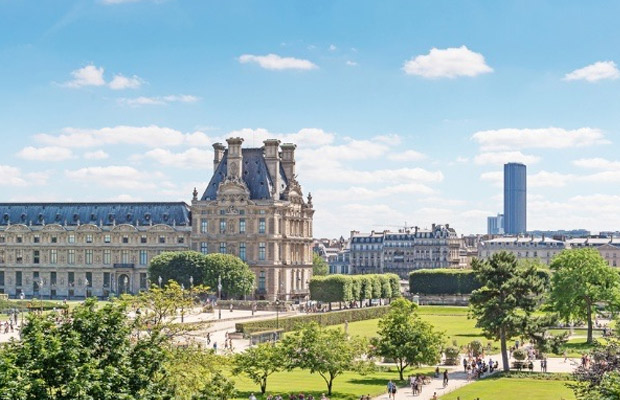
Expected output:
(515, 191)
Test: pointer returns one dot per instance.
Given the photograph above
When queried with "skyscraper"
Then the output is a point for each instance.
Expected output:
(515, 183)
(495, 225)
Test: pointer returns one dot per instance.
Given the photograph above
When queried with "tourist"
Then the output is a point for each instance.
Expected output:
(391, 389)
(465, 364)
(434, 396)
(323, 397)
(445, 378)
(252, 397)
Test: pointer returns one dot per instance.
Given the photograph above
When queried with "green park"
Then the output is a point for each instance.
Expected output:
(360, 336)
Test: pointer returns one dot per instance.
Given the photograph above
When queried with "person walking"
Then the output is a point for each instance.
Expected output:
(445, 378)
(391, 389)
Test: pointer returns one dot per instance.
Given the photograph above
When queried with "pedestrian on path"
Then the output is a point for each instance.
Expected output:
(445, 378)
(391, 389)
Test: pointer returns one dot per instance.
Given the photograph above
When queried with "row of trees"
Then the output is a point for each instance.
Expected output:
(346, 288)
(187, 267)
(511, 293)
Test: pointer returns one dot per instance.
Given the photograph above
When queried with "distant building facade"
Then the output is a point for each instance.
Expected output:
(495, 225)
(404, 251)
(252, 208)
(515, 198)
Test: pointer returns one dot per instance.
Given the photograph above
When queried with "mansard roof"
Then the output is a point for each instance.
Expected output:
(167, 213)
(255, 175)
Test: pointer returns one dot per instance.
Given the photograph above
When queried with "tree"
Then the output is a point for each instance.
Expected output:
(319, 266)
(327, 352)
(86, 356)
(508, 296)
(217, 388)
(582, 279)
(190, 367)
(600, 379)
(259, 362)
(405, 338)
(237, 278)
(178, 266)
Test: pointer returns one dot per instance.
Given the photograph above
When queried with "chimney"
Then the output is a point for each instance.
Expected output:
(218, 154)
(288, 159)
(235, 158)
(272, 159)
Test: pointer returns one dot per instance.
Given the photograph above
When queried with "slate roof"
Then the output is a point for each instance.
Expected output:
(255, 175)
(167, 213)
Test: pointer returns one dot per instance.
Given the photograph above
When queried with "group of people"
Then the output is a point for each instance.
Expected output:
(476, 367)
(7, 327)
(299, 396)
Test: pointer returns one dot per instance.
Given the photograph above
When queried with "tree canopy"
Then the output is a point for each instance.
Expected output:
(259, 362)
(319, 266)
(405, 338)
(178, 266)
(509, 294)
(582, 279)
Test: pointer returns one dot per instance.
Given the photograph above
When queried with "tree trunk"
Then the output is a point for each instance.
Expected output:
(263, 386)
(401, 369)
(505, 360)
(329, 386)
(589, 317)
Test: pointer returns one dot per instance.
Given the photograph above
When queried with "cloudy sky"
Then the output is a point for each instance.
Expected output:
(403, 112)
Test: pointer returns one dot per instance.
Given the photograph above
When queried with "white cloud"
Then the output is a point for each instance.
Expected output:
(276, 62)
(191, 158)
(120, 82)
(407, 155)
(307, 137)
(597, 163)
(158, 100)
(492, 176)
(462, 160)
(13, 176)
(51, 153)
(325, 172)
(447, 63)
(351, 63)
(332, 47)
(355, 193)
(503, 157)
(86, 76)
(96, 155)
(114, 177)
(549, 179)
(551, 138)
(150, 136)
(595, 72)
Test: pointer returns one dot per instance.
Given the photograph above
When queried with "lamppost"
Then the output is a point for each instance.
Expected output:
(22, 296)
(219, 295)
(126, 283)
(159, 281)
(182, 301)
(40, 283)
(277, 313)
(86, 286)
(191, 294)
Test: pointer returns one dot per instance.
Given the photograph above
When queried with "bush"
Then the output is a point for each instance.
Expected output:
(443, 281)
(324, 319)
(452, 355)
(475, 347)
(338, 288)
(519, 354)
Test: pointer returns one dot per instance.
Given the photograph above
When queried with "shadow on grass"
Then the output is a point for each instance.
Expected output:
(285, 395)
(376, 381)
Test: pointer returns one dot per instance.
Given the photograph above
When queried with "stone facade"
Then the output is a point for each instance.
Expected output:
(253, 208)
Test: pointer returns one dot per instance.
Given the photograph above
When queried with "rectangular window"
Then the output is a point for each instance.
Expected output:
(143, 239)
(71, 256)
(242, 225)
(53, 256)
(18, 278)
(142, 280)
(71, 239)
(106, 279)
(261, 225)
(242, 251)
(1, 256)
(223, 247)
(20, 239)
(204, 225)
(36, 257)
(107, 239)
(261, 251)
(204, 249)
(143, 257)
(162, 239)
(180, 240)
(1, 278)
(89, 238)
(89, 257)
(53, 278)
(2, 239)
(36, 239)
(222, 225)
(19, 257)
(54, 239)
(107, 257)
(125, 256)
(89, 278)
(125, 239)
(71, 278)
(261, 280)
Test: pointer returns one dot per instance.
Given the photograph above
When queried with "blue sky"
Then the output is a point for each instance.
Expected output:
(402, 111)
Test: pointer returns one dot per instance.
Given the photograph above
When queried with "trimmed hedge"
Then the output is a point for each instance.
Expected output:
(443, 281)
(452, 281)
(342, 288)
(324, 319)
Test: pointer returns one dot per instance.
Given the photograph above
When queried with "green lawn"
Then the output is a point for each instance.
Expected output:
(513, 389)
(349, 386)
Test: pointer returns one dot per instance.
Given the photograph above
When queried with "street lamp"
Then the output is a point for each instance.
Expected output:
(22, 296)
(126, 283)
(277, 313)
(219, 295)
(182, 301)
(159, 280)
(86, 286)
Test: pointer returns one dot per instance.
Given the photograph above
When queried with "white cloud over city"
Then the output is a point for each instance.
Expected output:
(601, 70)
(277, 63)
(452, 62)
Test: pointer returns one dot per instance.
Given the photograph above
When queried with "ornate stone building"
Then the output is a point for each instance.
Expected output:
(253, 208)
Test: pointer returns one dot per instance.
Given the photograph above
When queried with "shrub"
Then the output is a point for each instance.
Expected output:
(337, 288)
(475, 347)
(519, 354)
(443, 281)
(452, 355)
(324, 319)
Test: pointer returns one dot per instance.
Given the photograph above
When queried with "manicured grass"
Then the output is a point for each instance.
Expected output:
(513, 389)
(349, 386)
(578, 346)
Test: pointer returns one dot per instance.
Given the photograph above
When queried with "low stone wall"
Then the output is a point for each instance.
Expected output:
(443, 300)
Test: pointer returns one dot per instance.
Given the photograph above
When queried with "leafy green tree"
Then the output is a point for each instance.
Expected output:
(582, 279)
(405, 338)
(508, 296)
(319, 266)
(600, 379)
(259, 362)
(237, 278)
(327, 352)
(178, 266)
(86, 356)
(190, 367)
(217, 388)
